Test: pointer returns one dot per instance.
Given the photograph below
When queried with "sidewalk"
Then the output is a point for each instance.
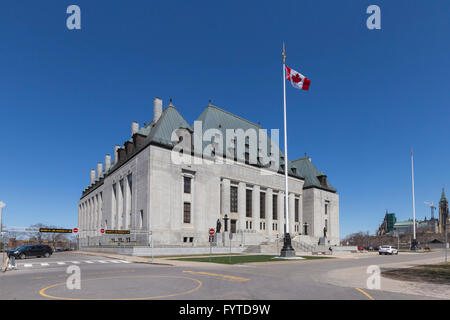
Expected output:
(156, 261)
(357, 277)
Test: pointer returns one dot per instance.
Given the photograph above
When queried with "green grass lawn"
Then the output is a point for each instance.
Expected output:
(235, 259)
(433, 273)
(192, 255)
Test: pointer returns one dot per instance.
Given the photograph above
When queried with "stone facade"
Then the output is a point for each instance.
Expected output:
(144, 190)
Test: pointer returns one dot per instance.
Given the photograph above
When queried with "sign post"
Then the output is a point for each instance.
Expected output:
(211, 240)
(151, 235)
(231, 238)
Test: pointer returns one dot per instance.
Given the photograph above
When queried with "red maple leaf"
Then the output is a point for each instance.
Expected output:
(296, 78)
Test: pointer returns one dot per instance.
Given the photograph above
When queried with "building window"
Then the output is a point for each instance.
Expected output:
(305, 227)
(326, 207)
(234, 199)
(275, 207)
(187, 212)
(185, 239)
(191, 239)
(187, 185)
(262, 205)
(248, 203)
(296, 209)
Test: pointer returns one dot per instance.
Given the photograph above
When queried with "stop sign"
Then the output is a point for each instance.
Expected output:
(211, 231)
(102, 230)
(75, 230)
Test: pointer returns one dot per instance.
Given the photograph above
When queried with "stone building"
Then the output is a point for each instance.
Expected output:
(145, 189)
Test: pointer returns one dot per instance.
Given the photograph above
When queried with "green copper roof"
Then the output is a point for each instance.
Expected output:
(215, 118)
(307, 170)
(443, 198)
(170, 120)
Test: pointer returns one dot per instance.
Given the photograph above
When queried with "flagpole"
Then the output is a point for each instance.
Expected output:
(287, 250)
(286, 167)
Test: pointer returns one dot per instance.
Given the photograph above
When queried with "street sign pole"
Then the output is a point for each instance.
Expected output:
(211, 239)
(2, 205)
(151, 233)
(231, 237)
(446, 240)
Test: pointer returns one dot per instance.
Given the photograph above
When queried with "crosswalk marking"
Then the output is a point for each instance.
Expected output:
(60, 263)
(114, 261)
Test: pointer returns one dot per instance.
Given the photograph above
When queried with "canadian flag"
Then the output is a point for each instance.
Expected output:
(297, 80)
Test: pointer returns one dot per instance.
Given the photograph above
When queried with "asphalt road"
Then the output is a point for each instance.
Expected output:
(105, 278)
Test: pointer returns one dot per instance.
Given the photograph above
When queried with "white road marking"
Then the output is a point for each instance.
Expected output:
(114, 261)
(46, 264)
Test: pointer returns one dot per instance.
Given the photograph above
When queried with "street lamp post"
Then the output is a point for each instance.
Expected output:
(413, 241)
(446, 236)
(2, 205)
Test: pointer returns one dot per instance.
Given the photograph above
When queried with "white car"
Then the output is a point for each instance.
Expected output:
(388, 250)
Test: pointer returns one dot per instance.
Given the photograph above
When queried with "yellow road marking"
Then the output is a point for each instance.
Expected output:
(42, 291)
(365, 293)
(219, 276)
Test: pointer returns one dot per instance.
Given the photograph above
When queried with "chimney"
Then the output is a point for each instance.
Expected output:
(107, 162)
(157, 109)
(134, 128)
(99, 169)
(92, 176)
(116, 154)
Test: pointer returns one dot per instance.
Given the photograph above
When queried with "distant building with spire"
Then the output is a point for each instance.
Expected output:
(443, 212)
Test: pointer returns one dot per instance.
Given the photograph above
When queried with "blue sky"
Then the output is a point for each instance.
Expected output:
(66, 97)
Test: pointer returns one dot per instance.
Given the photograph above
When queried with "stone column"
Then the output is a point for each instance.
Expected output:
(300, 213)
(127, 204)
(269, 212)
(81, 224)
(100, 211)
(225, 203)
(94, 216)
(241, 205)
(118, 206)
(291, 213)
(89, 217)
(255, 208)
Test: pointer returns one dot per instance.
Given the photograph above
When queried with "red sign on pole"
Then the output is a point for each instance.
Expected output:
(211, 231)
(75, 230)
(102, 230)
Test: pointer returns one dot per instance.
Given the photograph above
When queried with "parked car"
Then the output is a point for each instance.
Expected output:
(360, 248)
(23, 252)
(369, 248)
(387, 250)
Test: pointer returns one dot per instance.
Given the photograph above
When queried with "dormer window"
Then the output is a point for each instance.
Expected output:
(323, 180)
